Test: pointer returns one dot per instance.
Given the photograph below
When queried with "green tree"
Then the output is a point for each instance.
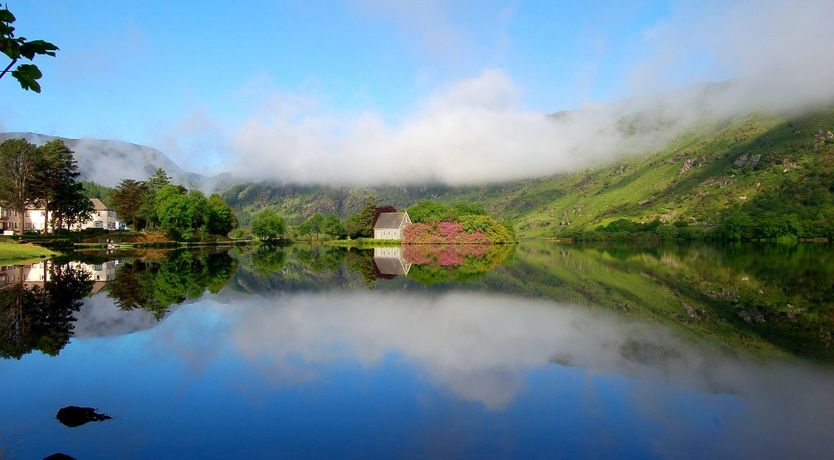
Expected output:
(221, 218)
(173, 211)
(148, 210)
(102, 192)
(198, 210)
(361, 225)
(430, 211)
(17, 48)
(332, 225)
(737, 226)
(56, 175)
(312, 226)
(465, 209)
(128, 199)
(268, 225)
(72, 207)
(18, 162)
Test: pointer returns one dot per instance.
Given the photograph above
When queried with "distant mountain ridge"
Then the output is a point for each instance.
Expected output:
(107, 162)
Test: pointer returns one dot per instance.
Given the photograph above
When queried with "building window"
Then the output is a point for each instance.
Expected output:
(99, 224)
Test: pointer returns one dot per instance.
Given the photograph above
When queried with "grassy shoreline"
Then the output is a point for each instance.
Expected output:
(363, 243)
(19, 253)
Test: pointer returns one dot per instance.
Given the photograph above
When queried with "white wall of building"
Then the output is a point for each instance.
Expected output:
(388, 234)
(36, 219)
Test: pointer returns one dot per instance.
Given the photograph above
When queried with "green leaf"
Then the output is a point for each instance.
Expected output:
(27, 75)
(34, 47)
(10, 48)
(6, 16)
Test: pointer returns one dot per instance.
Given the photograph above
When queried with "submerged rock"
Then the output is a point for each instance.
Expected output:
(73, 416)
(59, 456)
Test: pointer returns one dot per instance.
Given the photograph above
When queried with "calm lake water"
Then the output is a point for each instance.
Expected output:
(535, 351)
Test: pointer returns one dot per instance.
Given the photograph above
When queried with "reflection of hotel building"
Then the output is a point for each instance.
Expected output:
(38, 273)
(35, 219)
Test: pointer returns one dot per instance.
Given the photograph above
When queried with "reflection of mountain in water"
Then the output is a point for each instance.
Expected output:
(764, 300)
(101, 317)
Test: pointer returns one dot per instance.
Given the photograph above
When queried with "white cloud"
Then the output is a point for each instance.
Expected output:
(776, 53)
(473, 131)
(482, 348)
(197, 142)
(487, 348)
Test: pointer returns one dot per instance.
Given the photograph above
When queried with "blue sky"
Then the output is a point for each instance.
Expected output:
(188, 77)
(126, 69)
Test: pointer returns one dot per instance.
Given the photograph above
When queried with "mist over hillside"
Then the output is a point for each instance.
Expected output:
(689, 173)
(763, 165)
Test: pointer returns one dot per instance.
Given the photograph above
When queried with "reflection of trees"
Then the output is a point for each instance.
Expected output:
(269, 259)
(298, 267)
(362, 262)
(321, 258)
(439, 263)
(156, 285)
(41, 317)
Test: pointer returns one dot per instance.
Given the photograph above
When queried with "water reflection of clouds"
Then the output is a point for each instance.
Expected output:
(99, 317)
(481, 348)
(486, 348)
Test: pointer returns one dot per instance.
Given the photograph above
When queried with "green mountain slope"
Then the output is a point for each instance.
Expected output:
(766, 170)
(755, 165)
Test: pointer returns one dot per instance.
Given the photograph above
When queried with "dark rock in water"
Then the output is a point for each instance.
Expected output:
(59, 456)
(73, 416)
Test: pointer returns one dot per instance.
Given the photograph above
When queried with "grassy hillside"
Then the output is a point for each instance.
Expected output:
(297, 203)
(773, 171)
(754, 165)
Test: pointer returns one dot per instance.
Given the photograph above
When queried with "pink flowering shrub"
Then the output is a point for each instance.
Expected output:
(448, 230)
(418, 234)
(442, 233)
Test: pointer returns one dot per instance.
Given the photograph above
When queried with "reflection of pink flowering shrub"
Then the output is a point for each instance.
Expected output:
(442, 233)
(417, 254)
(444, 255)
(449, 257)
